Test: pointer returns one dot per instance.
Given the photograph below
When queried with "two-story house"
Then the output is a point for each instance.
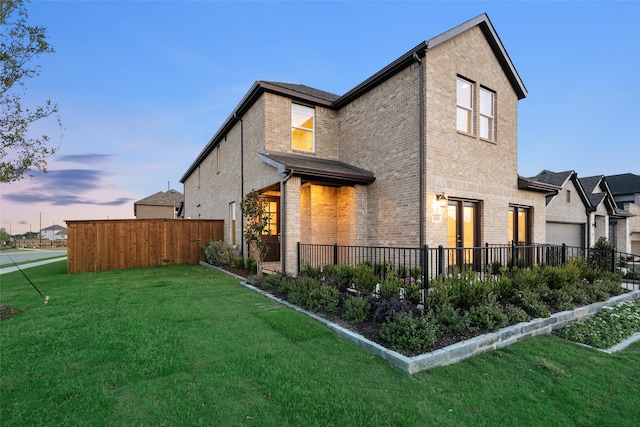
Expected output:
(424, 152)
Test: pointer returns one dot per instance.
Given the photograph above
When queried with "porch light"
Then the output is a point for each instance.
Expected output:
(441, 200)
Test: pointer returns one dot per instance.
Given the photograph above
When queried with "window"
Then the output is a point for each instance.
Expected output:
(218, 159)
(487, 104)
(465, 106)
(568, 196)
(519, 230)
(302, 119)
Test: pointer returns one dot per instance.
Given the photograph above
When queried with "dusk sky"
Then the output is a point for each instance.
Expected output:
(142, 86)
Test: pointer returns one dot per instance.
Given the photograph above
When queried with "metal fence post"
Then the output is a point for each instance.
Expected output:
(440, 260)
(298, 250)
(563, 259)
(513, 254)
(335, 254)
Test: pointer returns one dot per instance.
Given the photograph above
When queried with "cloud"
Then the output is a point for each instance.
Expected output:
(58, 199)
(66, 187)
(85, 158)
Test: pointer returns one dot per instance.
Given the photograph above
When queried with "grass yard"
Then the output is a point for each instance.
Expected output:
(187, 345)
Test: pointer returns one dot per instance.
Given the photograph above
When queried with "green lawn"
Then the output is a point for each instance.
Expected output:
(187, 345)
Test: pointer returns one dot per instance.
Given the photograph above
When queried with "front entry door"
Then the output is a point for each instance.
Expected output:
(462, 234)
(272, 238)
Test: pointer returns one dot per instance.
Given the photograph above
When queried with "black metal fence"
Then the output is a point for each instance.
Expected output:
(429, 263)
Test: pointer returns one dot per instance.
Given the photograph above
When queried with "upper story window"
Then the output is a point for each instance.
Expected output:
(465, 106)
(302, 119)
(487, 108)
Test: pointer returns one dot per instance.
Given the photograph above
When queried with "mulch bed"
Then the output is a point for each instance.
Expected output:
(7, 312)
(370, 329)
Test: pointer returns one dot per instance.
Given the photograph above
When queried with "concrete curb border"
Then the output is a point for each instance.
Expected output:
(464, 349)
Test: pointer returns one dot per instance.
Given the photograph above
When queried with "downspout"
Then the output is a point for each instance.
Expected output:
(235, 116)
(422, 145)
(283, 223)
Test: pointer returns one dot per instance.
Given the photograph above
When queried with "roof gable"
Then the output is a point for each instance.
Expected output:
(329, 100)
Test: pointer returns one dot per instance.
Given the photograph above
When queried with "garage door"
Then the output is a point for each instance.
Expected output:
(570, 234)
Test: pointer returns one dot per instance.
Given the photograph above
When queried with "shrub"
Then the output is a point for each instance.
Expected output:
(363, 278)
(356, 309)
(411, 291)
(254, 280)
(387, 309)
(467, 289)
(218, 253)
(515, 314)
(449, 319)
(339, 276)
(531, 302)
(238, 262)
(601, 256)
(408, 332)
(487, 315)
(300, 290)
(560, 299)
(437, 294)
(309, 271)
(271, 281)
(383, 269)
(251, 265)
(324, 297)
(390, 287)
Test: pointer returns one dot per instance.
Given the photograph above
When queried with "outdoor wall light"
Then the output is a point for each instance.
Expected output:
(441, 200)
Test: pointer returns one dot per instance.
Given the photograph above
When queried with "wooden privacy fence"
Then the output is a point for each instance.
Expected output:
(127, 243)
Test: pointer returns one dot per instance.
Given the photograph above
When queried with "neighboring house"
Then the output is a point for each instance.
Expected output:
(54, 232)
(567, 211)
(424, 152)
(604, 218)
(583, 210)
(167, 204)
(626, 192)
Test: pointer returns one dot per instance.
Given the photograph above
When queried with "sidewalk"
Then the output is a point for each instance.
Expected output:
(31, 264)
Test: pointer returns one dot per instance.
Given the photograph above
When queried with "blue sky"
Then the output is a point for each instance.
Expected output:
(142, 86)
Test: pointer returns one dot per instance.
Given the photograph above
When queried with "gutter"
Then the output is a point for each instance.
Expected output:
(235, 116)
(422, 140)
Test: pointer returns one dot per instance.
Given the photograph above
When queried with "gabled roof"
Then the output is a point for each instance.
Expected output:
(302, 93)
(482, 21)
(626, 183)
(597, 196)
(166, 198)
(560, 179)
(318, 169)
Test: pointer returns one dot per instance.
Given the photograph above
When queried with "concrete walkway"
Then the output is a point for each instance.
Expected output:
(31, 264)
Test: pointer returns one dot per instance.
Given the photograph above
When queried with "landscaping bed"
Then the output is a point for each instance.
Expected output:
(387, 305)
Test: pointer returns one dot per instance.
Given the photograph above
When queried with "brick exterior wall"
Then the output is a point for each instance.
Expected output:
(379, 132)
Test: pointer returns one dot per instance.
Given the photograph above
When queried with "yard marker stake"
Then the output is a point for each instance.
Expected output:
(46, 299)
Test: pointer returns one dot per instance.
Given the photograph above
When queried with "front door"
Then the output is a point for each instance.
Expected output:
(462, 234)
(272, 237)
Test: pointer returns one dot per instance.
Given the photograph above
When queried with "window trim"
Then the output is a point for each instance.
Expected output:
(491, 118)
(469, 110)
(312, 129)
